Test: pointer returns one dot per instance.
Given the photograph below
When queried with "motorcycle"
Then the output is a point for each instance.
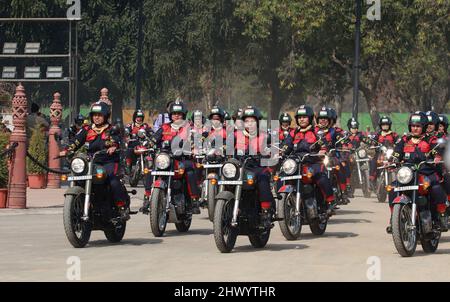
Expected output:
(360, 162)
(144, 159)
(386, 174)
(169, 200)
(413, 218)
(301, 201)
(211, 163)
(88, 204)
(237, 210)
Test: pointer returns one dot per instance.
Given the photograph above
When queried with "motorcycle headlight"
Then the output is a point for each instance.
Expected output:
(162, 161)
(389, 153)
(289, 166)
(326, 160)
(404, 175)
(229, 170)
(362, 153)
(77, 165)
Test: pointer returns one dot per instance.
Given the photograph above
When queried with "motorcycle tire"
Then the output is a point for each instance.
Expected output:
(78, 232)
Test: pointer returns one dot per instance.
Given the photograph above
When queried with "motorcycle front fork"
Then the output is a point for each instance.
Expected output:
(87, 196)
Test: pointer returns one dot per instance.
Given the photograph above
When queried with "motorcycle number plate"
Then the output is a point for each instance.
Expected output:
(84, 177)
(164, 173)
(291, 177)
(360, 160)
(210, 166)
(407, 188)
(230, 182)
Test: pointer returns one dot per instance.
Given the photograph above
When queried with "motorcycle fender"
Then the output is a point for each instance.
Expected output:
(311, 208)
(74, 191)
(160, 184)
(402, 199)
(286, 189)
(225, 195)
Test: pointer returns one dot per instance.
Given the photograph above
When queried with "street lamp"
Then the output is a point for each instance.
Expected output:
(32, 48)
(10, 48)
(54, 72)
(9, 72)
(32, 72)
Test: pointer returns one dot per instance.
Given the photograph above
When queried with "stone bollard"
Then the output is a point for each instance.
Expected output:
(17, 195)
(56, 109)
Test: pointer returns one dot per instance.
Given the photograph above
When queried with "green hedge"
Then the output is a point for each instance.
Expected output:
(4, 174)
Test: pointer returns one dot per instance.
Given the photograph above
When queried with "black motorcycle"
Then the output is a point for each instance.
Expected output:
(301, 201)
(89, 205)
(360, 170)
(238, 209)
(169, 201)
(414, 217)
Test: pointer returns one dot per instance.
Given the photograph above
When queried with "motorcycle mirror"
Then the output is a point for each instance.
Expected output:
(441, 142)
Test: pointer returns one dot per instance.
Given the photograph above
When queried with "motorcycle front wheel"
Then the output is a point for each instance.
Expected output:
(135, 176)
(212, 192)
(291, 225)
(158, 215)
(404, 235)
(78, 231)
(225, 234)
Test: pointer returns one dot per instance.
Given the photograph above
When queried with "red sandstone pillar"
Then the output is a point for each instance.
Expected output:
(17, 196)
(54, 181)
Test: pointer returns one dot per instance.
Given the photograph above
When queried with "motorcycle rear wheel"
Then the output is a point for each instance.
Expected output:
(115, 233)
(259, 240)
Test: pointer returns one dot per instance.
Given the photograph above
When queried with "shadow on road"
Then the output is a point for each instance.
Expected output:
(190, 232)
(329, 234)
(271, 247)
(135, 242)
(348, 220)
(348, 212)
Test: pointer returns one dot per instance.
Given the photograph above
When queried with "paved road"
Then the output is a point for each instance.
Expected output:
(34, 248)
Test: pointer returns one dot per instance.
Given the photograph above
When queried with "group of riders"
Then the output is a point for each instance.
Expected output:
(307, 132)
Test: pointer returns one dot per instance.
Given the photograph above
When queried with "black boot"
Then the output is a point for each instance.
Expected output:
(145, 209)
(266, 219)
(443, 221)
(350, 191)
(195, 207)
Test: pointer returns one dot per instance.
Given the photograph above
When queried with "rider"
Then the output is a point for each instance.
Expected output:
(305, 140)
(178, 127)
(433, 123)
(100, 136)
(285, 129)
(218, 132)
(132, 130)
(414, 148)
(251, 141)
(443, 126)
(343, 157)
(385, 137)
(325, 118)
(356, 137)
(76, 126)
